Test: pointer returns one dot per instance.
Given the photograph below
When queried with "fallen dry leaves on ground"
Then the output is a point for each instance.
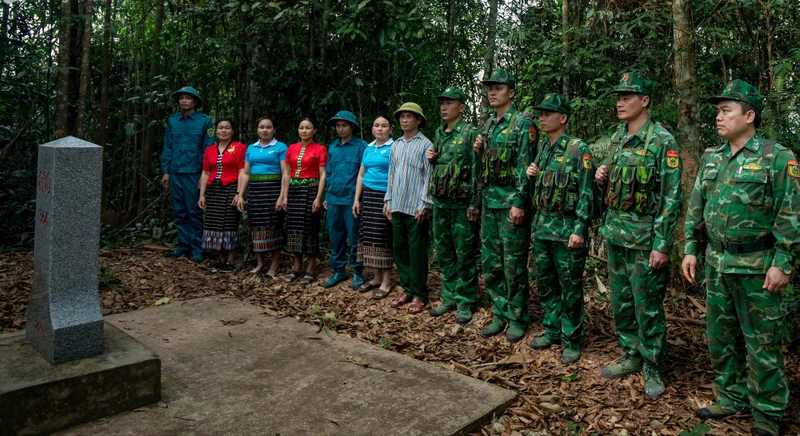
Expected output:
(553, 398)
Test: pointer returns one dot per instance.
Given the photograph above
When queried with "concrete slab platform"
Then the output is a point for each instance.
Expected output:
(228, 368)
(37, 397)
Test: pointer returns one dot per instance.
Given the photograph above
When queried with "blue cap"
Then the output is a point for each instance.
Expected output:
(344, 116)
(188, 90)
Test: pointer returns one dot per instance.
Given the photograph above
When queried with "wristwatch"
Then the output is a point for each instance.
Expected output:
(787, 271)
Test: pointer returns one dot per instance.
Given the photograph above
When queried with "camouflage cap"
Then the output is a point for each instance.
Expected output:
(555, 103)
(739, 90)
(453, 93)
(502, 77)
(634, 82)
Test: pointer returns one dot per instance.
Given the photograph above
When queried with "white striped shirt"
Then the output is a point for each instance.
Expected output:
(409, 175)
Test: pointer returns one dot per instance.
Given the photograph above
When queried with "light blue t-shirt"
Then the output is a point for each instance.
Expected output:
(376, 164)
(266, 159)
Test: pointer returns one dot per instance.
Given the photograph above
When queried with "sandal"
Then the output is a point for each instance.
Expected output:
(401, 300)
(416, 306)
(271, 274)
(292, 276)
(366, 287)
(380, 293)
(308, 277)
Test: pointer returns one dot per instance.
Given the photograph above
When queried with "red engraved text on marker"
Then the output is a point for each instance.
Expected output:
(44, 182)
(42, 217)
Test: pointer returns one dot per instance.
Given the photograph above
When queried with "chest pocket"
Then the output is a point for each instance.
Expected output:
(499, 166)
(751, 188)
(709, 182)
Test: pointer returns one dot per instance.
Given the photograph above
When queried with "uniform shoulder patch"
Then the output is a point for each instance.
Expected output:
(210, 132)
(532, 133)
(793, 168)
(587, 161)
(673, 160)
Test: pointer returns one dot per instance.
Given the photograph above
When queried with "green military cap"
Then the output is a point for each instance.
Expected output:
(502, 77)
(414, 109)
(188, 90)
(453, 93)
(739, 90)
(634, 82)
(555, 103)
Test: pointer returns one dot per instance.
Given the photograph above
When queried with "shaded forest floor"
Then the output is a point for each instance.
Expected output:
(553, 398)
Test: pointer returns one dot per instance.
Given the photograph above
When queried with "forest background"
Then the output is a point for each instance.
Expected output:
(105, 71)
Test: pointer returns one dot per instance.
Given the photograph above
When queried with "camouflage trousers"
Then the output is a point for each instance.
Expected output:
(637, 297)
(504, 253)
(745, 330)
(559, 280)
(456, 240)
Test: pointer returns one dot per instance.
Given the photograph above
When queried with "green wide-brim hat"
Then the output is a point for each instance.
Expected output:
(636, 83)
(739, 90)
(188, 90)
(453, 93)
(344, 116)
(502, 77)
(412, 107)
(555, 103)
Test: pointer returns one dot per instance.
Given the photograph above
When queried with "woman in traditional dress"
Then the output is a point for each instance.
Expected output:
(223, 162)
(266, 174)
(306, 160)
(375, 242)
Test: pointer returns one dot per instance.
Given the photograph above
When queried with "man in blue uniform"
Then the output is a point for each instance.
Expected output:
(188, 134)
(344, 162)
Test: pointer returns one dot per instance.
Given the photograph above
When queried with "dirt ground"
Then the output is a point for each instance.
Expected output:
(553, 398)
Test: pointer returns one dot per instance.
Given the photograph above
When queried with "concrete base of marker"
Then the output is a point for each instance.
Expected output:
(37, 397)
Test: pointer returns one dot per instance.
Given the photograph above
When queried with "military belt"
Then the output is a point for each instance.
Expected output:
(765, 243)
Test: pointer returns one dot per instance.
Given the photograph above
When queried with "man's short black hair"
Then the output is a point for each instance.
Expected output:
(747, 107)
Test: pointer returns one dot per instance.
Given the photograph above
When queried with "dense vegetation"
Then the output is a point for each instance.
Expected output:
(105, 70)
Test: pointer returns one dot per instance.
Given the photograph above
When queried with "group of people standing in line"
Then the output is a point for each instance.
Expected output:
(488, 188)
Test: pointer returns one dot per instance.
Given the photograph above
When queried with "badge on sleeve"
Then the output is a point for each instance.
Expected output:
(210, 132)
(672, 159)
(532, 133)
(793, 169)
(587, 161)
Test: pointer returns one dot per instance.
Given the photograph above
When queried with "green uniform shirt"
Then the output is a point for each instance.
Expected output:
(554, 225)
(743, 198)
(653, 229)
(455, 152)
(522, 137)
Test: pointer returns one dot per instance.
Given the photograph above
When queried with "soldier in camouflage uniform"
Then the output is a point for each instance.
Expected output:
(747, 193)
(562, 197)
(643, 197)
(504, 155)
(455, 226)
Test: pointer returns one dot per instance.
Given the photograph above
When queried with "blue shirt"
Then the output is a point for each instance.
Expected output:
(376, 165)
(266, 159)
(409, 176)
(344, 162)
(185, 143)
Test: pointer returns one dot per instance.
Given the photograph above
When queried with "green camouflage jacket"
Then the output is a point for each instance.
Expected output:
(562, 191)
(508, 150)
(643, 189)
(743, 198)
(453, 181)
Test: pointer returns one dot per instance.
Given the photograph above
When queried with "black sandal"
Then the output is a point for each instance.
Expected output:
(380, 293)
(271, 274)
(366, 287)
(308, 277)
(292, 276)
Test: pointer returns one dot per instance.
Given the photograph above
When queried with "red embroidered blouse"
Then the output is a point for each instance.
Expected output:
(307, 165)
(232, 161)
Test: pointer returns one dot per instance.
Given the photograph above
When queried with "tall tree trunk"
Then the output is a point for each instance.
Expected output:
(451, 24)
(86, 48)
(62, 78)
(105, 77)
(565, 43)
(150, 134)
(488, 59)
(688, 134)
